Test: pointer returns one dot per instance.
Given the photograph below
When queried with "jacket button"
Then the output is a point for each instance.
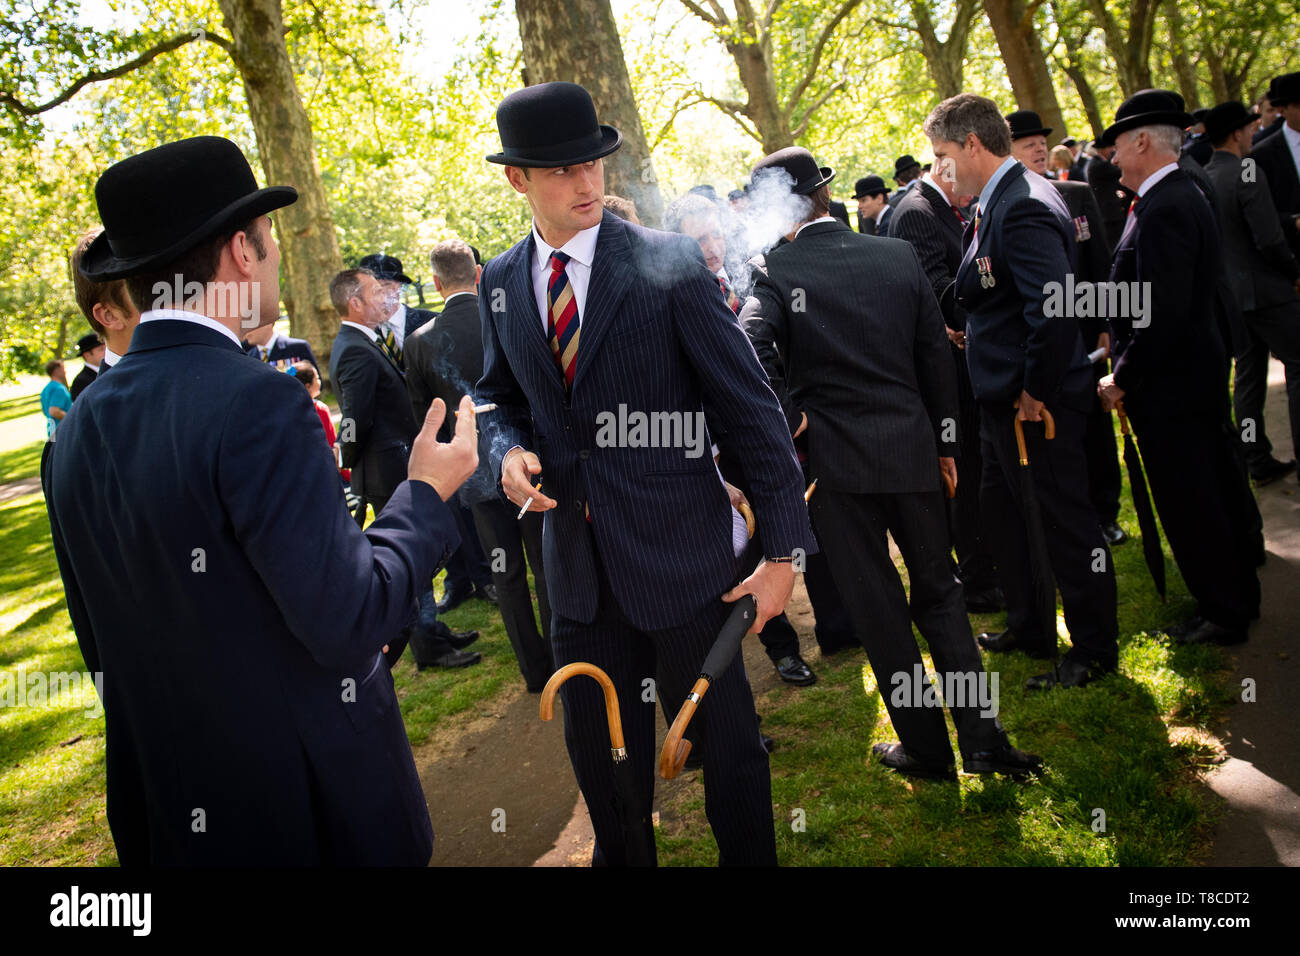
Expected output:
(577, 505)
(584, 454)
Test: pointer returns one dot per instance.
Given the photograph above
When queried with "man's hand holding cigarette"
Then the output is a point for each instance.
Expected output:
(772, 583)
(516, 480)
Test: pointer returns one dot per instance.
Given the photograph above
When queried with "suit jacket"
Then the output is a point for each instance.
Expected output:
(81, 380)
(867, 361)
(237, 614)
(1104, 177)
(415, 319)
(1260, 268)
(1176, 361)
(1196, 172)
(926, 220)
(444, 359)
(1028, 241)
(373, 400)
(656, 337)
(284, 352)
(1266, 131)
(1272, 155)
(1093, 247)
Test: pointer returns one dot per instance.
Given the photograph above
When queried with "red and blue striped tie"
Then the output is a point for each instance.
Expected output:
(562, 324)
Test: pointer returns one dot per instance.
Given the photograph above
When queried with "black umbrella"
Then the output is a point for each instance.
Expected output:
(1142, 505)
(638, 831)
(1040, 562)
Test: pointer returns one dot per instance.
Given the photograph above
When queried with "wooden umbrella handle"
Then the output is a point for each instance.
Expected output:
(547, 705)
(1123, 418)
(1049, 432)
(747, 513)
(676, 747)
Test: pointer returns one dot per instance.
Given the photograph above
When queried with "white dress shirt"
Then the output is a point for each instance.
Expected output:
(111, 358)
(813, 222)
(1293, 140)
(581, 250)
(397, 323)
(158, 315)
(1155, 177)
(264, 350)
(369, 332)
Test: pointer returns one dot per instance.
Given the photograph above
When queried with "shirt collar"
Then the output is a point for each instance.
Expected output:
(722, 274)
(813, 223)
(270, 343)
(986, 194)
(156, 315)
(94, 368)
(581, 247)
(454, 295)
(111, 358)
(395, 318)
(1292, 135)
(369, 333)
(928, 180)
(1155, 177)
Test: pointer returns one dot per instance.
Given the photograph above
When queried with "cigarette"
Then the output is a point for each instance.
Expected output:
(1096, 356)
(811, 488)
(480, 409)
(524, 510)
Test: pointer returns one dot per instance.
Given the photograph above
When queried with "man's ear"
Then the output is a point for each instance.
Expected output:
(478, 273)
(516, 177)
(107, 316)
(437, 284)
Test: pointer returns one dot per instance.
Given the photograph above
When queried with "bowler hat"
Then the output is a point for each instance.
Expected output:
(1147, 108)
(1026, 123)
(1227, 118)
(88, 343)
(904, 163)
(550, 125)
(1284, 89)
(869, 186)
(385, 267)
(800, 166)
(160, 204)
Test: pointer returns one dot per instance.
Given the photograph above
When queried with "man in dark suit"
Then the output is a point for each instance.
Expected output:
(1171, 371)
(865, 367)
(403, 320)
(1022, 358)
(930, 218)
(1112, 199)
(443, 357)
(907, 173)
(1029, 146)
(1270, 120)
(279, 351)
(1264, 277)
(91, 349)
(586, 319)
(376, 429)
(872, 196)
(267, 733)
(1278, 155)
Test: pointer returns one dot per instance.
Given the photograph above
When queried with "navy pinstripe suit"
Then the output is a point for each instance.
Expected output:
(636, 590)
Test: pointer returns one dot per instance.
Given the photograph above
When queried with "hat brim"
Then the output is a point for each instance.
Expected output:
(1158, 118)
(873, 192)
(1219, 132)
(1044, 131)
(99, 264)
(807, 189)
(610, 140)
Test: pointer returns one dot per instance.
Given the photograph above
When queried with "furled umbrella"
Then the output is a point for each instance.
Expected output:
(1142, 505)
(1040, 562)
(638, 831)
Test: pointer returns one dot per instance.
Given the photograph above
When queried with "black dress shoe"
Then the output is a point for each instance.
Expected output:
(895, 758)
(768, 743)
(1185, 627)
(453, 659)
(1271, 471)
(795, 670)
(1008, 640)
(985, 601)
(1006, 759)
(460, 639)
(1113, 533)
(1207, 632)
(1069, 673)
(488, 592)
(454, 599)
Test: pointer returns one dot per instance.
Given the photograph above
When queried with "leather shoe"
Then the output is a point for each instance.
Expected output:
(768, 743)
(988, 600)
(1113, 533)
(460, 639)
(1005, 759)
(453, 659)
(1069, 673)
(795, 670)
(487, 592)
(1185, 627)
(454, 599)
(1271, 471)
(1207, 632)
(1008, 640)
(895, 758)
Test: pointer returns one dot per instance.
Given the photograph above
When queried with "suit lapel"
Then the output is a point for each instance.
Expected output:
(522, 316)
(611, 276)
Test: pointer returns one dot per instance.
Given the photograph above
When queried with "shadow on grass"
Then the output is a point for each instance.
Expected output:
(18, 407)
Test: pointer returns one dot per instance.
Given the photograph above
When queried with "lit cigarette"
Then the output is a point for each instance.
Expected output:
(1096, 356)
(480, 409)
(524, 510)
(811, 488)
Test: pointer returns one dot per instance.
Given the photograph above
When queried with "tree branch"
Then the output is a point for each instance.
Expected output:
(816, 104)
(700, 12)
(845, 9)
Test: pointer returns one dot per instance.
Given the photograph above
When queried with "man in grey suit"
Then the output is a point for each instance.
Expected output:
(1264, 277)
(865, 368)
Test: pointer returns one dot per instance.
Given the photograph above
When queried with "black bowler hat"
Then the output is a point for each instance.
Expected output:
(1026, 123)
(1147, 108)
(1227, 118)
(1198, 116)
(1284, 89)
(88, 343)
(903, 164)
(550, 125)
(802, 169)
(385, 267)
(158, 205)
(869, 186)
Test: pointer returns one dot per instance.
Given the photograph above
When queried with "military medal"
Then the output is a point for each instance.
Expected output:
(985, 266)
(1081, 230)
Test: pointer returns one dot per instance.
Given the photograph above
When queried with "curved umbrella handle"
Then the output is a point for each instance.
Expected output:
(546, 707)
(1049, 432)
(747, 513)
(1123, 418)
(676, 747)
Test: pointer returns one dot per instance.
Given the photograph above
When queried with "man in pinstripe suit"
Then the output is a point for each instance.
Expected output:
(590, 316)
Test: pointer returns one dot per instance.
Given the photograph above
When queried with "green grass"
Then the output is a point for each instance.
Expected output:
(22, 462)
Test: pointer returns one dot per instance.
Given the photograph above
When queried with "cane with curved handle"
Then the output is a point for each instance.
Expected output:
(1049, 432)
(547, 705)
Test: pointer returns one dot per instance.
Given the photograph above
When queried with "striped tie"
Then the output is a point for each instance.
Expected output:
(562, 323)
(390, 340)
(728, 293)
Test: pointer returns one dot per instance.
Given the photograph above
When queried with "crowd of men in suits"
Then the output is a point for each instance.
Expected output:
(915, 378)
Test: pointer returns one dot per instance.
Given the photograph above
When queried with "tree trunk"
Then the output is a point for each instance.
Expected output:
(1183, 66)
(579, 43)
(284, 142)
(1031, 82)
(944, 59)
(754, 63)
(1079, 78)
(1218, 81)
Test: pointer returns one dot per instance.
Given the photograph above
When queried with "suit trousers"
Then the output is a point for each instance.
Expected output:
(1080, 561)
(1199, 490)
(737, 785)
(1103, 459)
(497, 528)
(975, 565)
(832, 624)
(857, 548)
(468, 566)
(1273, 330)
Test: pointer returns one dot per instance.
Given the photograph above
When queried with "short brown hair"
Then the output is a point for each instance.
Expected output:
(821, 202)
(305, 372)
(51, 365)
(198, 265)
(623, 208)
(346, 286)
(88, 293)
(453, 263)
(957, 116)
